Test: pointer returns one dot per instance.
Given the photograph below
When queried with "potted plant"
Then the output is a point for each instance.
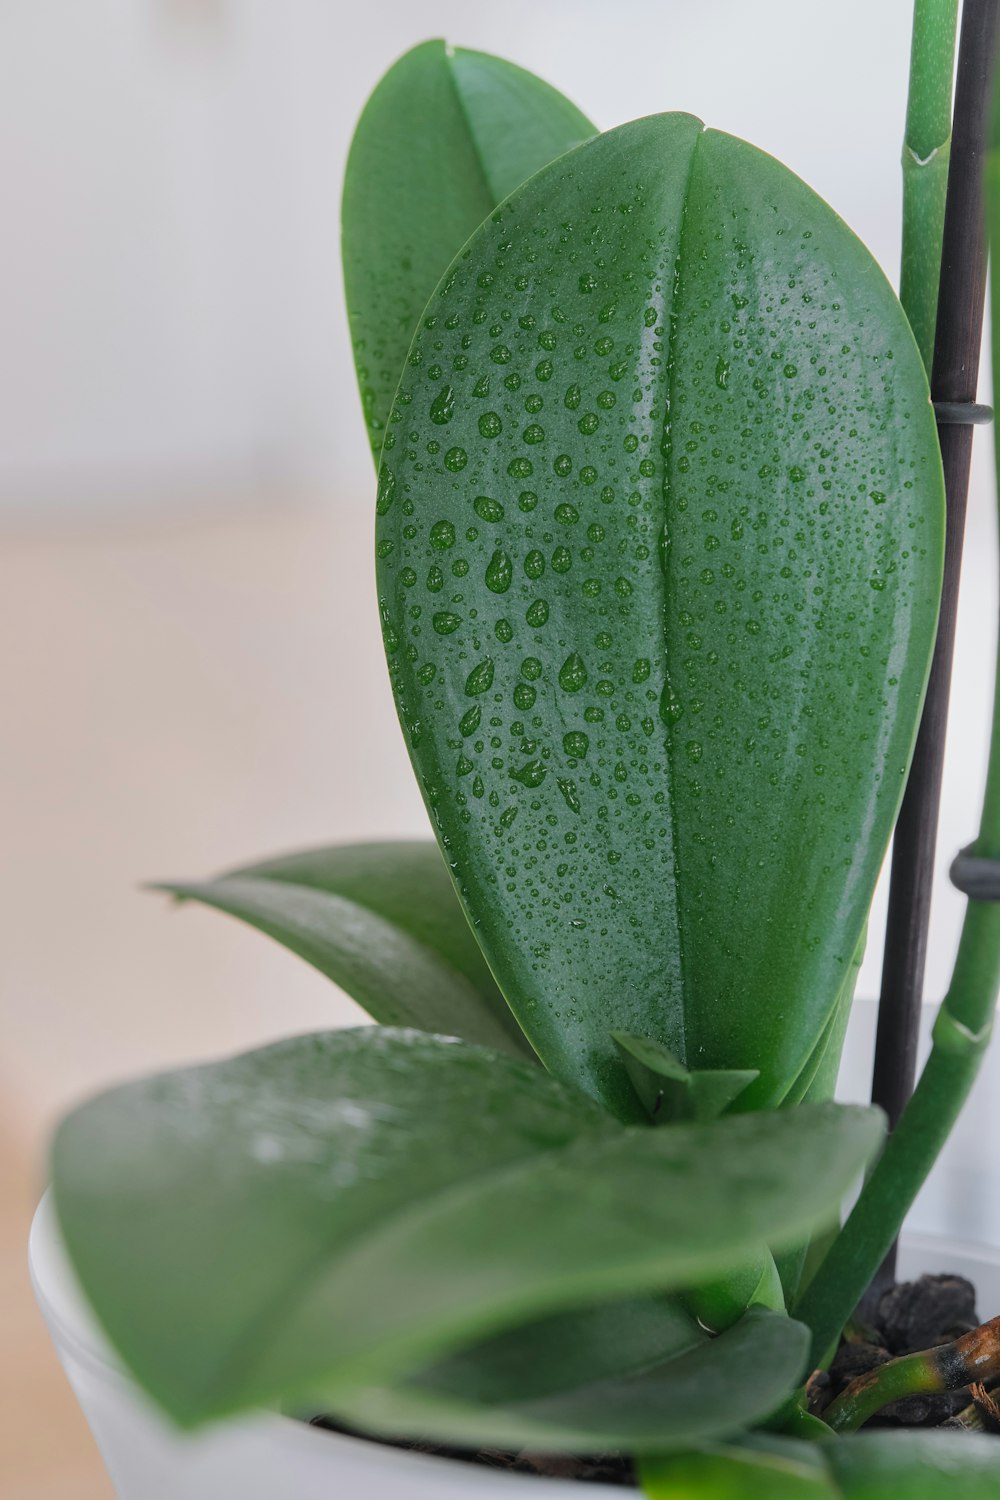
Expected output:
(661, 532)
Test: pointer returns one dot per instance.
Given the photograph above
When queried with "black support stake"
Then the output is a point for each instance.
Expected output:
(954, 379)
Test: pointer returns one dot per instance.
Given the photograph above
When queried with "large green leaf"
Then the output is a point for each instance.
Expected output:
(383, 922)
(869, 1466)
(338, 1210)
(659, 559)
(445, 136)
(493, 1397)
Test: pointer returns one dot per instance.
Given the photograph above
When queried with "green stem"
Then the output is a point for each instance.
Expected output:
(975, 1357)
(925, 165)
(961, 1032)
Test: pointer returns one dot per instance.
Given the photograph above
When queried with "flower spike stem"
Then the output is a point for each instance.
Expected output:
(972, 1359)
(962, 1029)
(944, 275)
(926, 150)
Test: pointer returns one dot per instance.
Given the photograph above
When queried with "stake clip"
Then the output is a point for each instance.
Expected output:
(961, 413)
(975, 876)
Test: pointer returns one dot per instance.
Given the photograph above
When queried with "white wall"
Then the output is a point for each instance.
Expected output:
(170, 303)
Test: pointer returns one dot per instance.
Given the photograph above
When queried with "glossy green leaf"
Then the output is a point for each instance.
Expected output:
(868, 1466)
(675, 547)
(711, 1387)
(383, 922)
(338, 1210)
(916, 1465)
(672, 1092)
(769, 1471)
(445, 136)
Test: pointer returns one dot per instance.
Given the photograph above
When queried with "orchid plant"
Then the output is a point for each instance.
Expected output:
(660, 534)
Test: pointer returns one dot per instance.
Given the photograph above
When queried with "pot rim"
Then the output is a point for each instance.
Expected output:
(70, 1319)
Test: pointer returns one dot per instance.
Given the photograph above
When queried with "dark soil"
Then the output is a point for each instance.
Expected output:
(602, 1469)
(909, 1317)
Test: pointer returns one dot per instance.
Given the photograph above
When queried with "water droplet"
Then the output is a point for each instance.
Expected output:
(532, 774)
(670, 705)
(443, 406)
(469, 722)
(456, 459)
(480, 679)
(568, 789)
(487, 509)
(442, 535)
(576, 744)
(499, 572)
(572, 673)
(722, 368)
(537, 614)
(445, 621)
(386, 489)
(490, 425)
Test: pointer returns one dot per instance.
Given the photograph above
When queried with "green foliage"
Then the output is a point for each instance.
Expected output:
(447, 134)
(871, 1466)
(659, 555)
(495, 1395)
(412, 1194)
(383, 922)
(659, 547)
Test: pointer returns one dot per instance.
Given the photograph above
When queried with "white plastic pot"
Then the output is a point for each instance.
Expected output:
(270, 1457)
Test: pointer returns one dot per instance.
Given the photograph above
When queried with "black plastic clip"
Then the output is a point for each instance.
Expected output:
(961, 413)
(974, 876)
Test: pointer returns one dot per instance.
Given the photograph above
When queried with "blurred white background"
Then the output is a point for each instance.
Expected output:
(185, 490)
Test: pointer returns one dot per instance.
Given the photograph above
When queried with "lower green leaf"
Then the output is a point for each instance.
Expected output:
(869, 1466)
(917, 1465)
(492, 1395)
(339, 1210)
(790, 1471)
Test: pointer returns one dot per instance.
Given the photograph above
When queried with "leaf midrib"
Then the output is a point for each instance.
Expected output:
(666, 449)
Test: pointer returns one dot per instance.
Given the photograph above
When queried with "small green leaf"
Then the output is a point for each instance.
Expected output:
(711, 403)
(672, 1092)
(771, 1471)
(916, 1465)
(339, 1210)
(710, 1387)
(446, 135)
(865, 1466)
(383, 922)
